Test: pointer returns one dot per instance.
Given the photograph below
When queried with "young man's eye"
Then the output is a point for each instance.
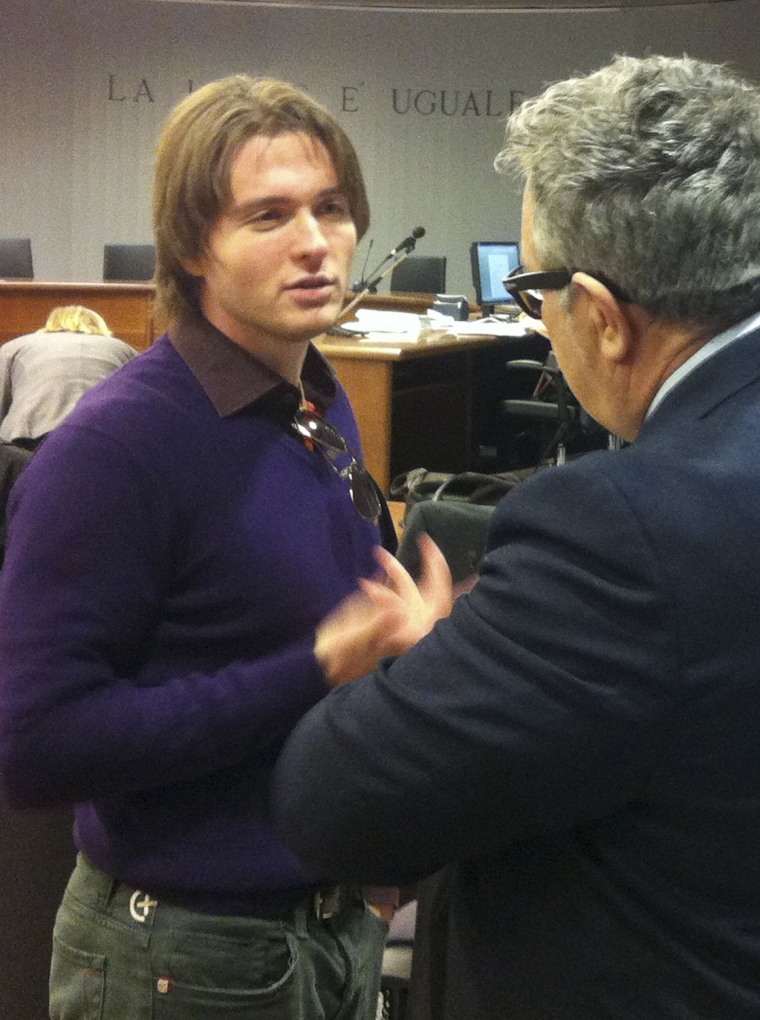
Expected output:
(337, 207)
(266, 218)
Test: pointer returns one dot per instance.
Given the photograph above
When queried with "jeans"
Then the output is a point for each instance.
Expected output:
(118, 954)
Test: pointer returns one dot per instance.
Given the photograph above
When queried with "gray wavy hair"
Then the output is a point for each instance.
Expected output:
(648, 172)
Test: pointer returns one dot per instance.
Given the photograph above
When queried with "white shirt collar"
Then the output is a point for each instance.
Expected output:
(717, 343)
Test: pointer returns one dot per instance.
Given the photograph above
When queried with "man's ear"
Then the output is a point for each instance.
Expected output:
(608, 317)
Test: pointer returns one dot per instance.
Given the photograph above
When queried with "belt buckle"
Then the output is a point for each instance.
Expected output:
(327, 902)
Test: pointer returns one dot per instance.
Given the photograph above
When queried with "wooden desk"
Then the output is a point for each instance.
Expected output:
(398, 301)
(418, 405)
(126, 307)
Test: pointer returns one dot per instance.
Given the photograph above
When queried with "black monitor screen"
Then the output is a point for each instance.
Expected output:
(491, 262)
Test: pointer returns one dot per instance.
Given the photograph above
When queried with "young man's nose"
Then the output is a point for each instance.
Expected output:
(309, 234)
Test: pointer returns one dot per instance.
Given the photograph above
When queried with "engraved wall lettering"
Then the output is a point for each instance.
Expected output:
(350, 102)
(111, 90)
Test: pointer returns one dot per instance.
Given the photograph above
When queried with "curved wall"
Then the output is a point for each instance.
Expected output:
(423, 95)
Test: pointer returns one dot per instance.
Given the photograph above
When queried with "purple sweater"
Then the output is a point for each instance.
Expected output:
(166, 566)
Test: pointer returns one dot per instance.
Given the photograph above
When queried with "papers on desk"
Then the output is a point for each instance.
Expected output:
(375, 326)
(393, 326)
(488, 327)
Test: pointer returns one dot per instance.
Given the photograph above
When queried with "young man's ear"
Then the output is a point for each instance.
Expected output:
(193, 266)
(607, 316)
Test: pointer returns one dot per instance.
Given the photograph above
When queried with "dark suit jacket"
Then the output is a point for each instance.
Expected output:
(581, 737)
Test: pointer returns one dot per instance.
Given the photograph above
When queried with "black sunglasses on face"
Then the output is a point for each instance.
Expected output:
(526, 288)
(361, 485)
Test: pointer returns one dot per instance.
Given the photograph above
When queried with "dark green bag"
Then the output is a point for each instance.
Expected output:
(418, 485)
(458, 529)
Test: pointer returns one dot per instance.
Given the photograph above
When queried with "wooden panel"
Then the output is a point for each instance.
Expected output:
(432, 403)
(369, 388)
(424, 421)
(398, 512)
(386, 301)
(126, 307)
(418, 405)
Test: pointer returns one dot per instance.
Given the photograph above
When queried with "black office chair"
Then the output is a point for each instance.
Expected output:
(424, 274)
(16, 258)
(129, 262)
(552, 408)
(562, 427)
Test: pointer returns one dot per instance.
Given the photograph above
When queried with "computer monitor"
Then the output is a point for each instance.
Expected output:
(491, 261)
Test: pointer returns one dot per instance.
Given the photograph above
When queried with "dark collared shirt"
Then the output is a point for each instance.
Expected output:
(233, 379)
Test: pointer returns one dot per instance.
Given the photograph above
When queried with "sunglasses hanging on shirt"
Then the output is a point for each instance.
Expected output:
(361, 485)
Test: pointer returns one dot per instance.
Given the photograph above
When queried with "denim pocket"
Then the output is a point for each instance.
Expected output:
(206, 976)
(76, 983)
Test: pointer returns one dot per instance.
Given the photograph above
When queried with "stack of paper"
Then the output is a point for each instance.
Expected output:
(488, 327)
(374, 321)
(405, 327)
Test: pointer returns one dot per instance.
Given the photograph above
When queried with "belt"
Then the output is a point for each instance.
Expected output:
(323, 904)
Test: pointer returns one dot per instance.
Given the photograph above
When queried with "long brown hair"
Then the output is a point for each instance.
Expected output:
(193, 164)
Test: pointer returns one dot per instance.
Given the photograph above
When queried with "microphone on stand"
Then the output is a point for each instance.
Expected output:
(397, 255)
(405, 246)
(358, 284)
(408, 243)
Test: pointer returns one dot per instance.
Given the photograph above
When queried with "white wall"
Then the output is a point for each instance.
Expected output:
(86, 86)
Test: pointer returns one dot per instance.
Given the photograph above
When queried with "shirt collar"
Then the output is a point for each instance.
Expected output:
(717, 343)
(233, 379)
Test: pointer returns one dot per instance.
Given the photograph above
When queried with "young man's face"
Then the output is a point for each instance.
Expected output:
(279, 256)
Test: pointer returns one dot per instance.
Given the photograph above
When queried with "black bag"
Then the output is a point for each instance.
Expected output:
(466, 487)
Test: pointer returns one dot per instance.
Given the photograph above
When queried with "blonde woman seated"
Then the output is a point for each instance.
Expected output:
(43, 374)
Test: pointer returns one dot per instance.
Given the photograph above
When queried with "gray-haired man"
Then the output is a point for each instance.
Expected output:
(577, 741)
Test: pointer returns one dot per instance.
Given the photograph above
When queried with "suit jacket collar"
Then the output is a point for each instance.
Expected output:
(715, 380)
